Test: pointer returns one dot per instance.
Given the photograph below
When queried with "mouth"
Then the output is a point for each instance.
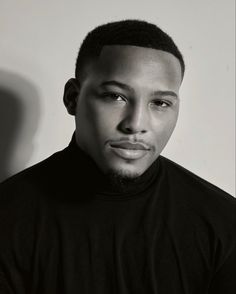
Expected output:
(128, 150)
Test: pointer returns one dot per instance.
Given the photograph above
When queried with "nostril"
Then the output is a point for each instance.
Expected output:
(133, 123)
(129, 130)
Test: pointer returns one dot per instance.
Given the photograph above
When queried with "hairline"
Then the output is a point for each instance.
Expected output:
(80, 73)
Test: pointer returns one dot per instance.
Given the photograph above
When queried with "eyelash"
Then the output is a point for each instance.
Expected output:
(115, 96)
(168, 103)
(112, 96)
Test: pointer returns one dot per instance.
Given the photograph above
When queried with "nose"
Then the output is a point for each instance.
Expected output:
(135, 120)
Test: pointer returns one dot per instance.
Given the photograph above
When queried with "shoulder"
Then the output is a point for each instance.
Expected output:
(201, 200)
(206, 210)
(23, 206)
(27, 192)
(185, 179)
(32, 177)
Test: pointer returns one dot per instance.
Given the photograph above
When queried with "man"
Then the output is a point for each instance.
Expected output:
(109, 214)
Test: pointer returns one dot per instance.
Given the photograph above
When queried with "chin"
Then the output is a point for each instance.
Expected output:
(122, 179)
(125, 173)
(127, 169)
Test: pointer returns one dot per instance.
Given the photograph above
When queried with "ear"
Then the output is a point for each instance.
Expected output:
(71, 93)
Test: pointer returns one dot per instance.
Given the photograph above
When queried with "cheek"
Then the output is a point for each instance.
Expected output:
(164, 127)
(101, 122)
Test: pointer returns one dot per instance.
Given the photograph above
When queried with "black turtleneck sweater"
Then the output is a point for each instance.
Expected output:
(64, 228)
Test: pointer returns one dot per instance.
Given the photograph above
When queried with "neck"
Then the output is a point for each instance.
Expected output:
(110, 184)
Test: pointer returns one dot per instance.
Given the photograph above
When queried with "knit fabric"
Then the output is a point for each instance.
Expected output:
(65, 229)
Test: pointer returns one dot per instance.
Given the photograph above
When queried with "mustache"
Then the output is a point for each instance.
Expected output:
(133, 141)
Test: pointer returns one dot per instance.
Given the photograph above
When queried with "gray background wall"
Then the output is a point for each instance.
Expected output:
(39, 43)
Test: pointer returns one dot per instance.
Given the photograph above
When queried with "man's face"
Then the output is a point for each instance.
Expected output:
(127, 108)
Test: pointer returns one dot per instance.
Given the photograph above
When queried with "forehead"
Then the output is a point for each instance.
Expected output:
(133, 63)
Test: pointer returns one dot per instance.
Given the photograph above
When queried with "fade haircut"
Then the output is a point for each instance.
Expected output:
(126, 32)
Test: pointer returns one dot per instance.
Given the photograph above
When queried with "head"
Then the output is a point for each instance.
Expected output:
(125, 95)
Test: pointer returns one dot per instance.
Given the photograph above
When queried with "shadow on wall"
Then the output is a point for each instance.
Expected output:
(19, 117)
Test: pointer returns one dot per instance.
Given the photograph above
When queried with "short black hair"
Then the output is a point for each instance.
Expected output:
(125, 32)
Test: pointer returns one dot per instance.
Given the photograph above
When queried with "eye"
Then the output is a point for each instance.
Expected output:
(161, 103)
(113, 96)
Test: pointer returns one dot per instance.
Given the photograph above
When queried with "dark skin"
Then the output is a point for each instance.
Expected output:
(126, 107)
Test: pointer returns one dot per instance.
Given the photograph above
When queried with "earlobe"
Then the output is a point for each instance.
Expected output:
(71, 92)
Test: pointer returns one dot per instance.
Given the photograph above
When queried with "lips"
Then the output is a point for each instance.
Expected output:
(129, 146)
(128, 150)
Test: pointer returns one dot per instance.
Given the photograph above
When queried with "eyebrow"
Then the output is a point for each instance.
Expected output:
(127, 87)
(118, 84)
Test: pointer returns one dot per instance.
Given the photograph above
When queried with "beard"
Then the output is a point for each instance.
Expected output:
(121, 180)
